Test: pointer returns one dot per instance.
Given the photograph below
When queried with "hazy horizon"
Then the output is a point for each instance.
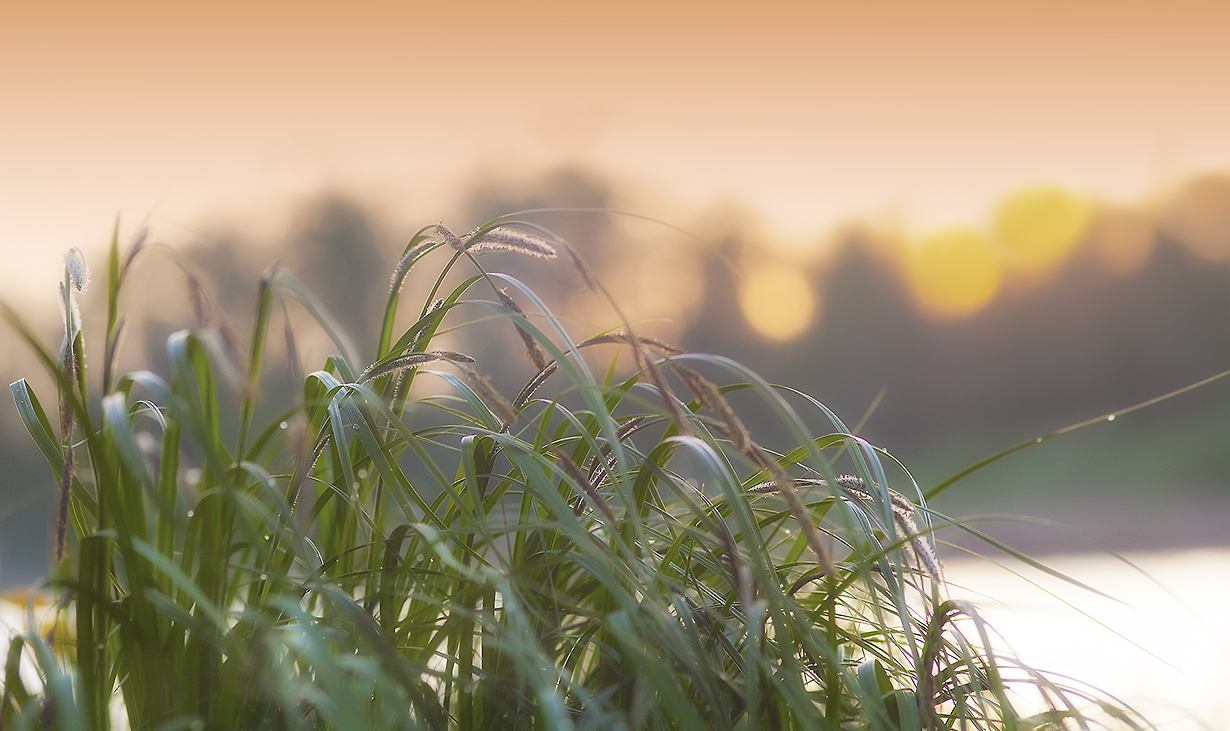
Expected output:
(807, 115)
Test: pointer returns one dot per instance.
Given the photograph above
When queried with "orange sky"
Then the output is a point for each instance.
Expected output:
(807, 113)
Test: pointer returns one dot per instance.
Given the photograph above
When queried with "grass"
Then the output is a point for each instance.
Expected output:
(609, 548)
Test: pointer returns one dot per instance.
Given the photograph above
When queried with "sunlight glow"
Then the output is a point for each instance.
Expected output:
(778, 301)
(955, 271)
(1037, 228)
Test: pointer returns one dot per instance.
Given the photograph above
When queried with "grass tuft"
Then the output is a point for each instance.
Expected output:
(597, 552)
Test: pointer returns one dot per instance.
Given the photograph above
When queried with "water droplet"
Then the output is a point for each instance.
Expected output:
(363, 473)
(1111, 417)
(264, 577)
(191, 513)
(1038, 440)
(283, 425)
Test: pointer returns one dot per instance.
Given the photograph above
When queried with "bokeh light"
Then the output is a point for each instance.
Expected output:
(778, 301)
(1037, 228)
(955, 271)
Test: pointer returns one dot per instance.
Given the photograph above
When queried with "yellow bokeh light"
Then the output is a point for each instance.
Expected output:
(778, 301)
(1036, 229)
(955, 271)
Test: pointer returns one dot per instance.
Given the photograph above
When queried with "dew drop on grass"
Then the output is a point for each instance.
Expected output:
(1111, 417)
(264, 577)
(283, 425)
(191, 513)
(1038, 440)
(363, 473)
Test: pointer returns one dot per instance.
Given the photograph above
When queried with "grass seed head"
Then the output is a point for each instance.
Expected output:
(588, 487)
(404, 264)
(481, 385)
(626, 339)
(647, 366)
(785, 487)
(78, 272)
(532, 349)
(448, 237)
(411, 360)
(70, 311)
(587, 275)
(507, 239)
(711, 398)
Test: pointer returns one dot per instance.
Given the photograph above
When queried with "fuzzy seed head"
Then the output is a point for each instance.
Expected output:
(532, 349)
(406, 261)
(70, 311)
(411, 360)
(448, 237)
(75, 267)
(711, 398)
(481, 385)
(508, 239)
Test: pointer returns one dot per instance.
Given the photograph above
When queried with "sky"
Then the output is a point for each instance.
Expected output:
(806, 114)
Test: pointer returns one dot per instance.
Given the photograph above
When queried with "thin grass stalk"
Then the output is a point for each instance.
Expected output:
(256, 352)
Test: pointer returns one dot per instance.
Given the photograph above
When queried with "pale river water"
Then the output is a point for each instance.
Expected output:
(1163, 646)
